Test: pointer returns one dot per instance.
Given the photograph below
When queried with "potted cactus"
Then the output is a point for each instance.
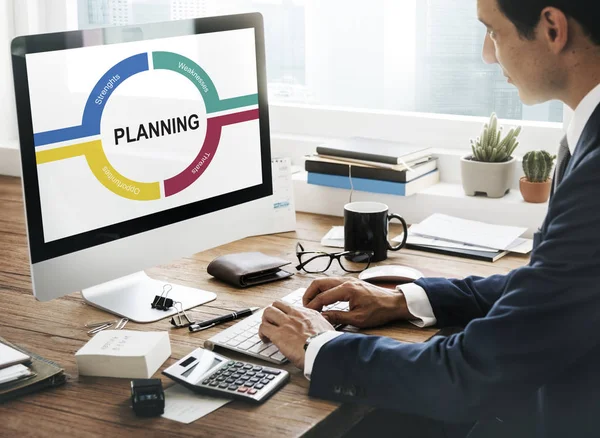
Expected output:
(491, 168)
(535, 185)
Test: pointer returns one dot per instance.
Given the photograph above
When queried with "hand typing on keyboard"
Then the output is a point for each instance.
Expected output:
(243, 336)
(369, 305)
(288, 327)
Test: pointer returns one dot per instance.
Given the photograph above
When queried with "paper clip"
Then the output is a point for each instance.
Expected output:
(98, 326)
(161, 302)
(103, 325)
(121, 324)
(179, 322)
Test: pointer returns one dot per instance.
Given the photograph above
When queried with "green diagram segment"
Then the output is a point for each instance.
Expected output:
(188, 68)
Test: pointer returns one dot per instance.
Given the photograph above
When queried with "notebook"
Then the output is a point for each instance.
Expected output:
(376, 150)
(45, 374)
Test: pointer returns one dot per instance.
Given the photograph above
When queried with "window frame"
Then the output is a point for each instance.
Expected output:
(318, 122)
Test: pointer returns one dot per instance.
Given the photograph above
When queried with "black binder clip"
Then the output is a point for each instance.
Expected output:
(161, 302)
(178, 320)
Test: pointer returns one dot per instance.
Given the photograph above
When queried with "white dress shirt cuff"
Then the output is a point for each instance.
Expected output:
(418, 305)
(313, 349)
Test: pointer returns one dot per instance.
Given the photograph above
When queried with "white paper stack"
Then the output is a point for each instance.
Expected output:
(124, 353)
(440, 230)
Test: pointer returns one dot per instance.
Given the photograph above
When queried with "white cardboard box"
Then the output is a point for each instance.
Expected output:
(124, 353)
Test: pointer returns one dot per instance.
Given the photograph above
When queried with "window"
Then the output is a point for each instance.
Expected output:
(399, 55)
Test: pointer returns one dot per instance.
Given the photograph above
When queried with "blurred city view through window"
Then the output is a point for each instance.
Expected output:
(402, 55)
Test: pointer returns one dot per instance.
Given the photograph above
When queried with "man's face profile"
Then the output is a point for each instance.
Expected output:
(526, 63)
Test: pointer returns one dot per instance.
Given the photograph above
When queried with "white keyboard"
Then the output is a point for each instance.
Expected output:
(243, 336)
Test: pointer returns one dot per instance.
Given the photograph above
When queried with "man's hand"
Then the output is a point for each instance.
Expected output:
(370, 305)
(288, 328)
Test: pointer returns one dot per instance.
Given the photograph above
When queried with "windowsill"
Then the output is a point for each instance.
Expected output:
(444, 198)
(10, 161)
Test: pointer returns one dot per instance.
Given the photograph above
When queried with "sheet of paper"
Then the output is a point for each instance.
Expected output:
(9, 356)
(475, 233)
(431, 241)
(334, 238)
(185, 406)
(521, 246)
(13, 373)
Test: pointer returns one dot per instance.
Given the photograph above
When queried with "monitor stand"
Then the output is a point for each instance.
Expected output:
(131, 297)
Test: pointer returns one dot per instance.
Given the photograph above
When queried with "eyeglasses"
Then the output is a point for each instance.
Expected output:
(319, 261)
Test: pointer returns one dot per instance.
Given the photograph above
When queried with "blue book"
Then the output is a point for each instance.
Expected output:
(375, 186)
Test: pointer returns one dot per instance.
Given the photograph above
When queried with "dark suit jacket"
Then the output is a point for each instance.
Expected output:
(528, 361)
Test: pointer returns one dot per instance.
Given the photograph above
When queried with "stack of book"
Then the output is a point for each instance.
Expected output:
(370, 165)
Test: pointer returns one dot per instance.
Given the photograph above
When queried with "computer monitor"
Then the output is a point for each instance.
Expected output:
(140, 145)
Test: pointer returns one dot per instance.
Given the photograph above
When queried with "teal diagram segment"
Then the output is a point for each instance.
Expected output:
(188, 68)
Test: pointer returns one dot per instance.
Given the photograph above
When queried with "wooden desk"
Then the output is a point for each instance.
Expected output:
(100, 406)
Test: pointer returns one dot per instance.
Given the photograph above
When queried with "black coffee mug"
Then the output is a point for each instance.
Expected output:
(366, 229)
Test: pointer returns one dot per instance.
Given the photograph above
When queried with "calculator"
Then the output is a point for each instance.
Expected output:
(207, 372)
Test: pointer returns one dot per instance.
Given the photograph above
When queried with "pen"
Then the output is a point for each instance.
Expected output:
(196, 327)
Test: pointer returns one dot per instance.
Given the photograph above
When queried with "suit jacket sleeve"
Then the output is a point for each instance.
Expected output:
(458, 302)
(545, 320)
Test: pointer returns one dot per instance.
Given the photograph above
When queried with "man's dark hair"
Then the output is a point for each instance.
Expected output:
(526, 14)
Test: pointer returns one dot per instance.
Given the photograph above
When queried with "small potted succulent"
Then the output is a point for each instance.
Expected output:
(536, 184)
(490, 169)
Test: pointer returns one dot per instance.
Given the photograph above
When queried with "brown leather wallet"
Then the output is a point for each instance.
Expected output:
(247, 269)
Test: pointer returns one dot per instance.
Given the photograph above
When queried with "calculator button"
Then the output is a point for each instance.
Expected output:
(270, 377)
(221, 378)
(230, 380)
(243, 389)
(232, 388)
(252, 391)
(265, 381)
(231, 363)
(250, 373)
(213, 383)
(271, 371)
(206, 382)
(244, 378)
(247, 367)
(223, 385)
(239, 364)
(260, 375)
(239, 382)
(254, 380)
(227, 374)
(259, 386)
(236, 376)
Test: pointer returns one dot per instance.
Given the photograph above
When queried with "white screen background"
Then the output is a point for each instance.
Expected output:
(72, 199)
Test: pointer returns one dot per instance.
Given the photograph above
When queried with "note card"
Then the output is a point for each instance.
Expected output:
(185, 406)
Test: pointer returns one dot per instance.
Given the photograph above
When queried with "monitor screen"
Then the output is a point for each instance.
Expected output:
(131, 136)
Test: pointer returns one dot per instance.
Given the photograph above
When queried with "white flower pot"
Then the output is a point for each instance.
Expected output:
(490, 179)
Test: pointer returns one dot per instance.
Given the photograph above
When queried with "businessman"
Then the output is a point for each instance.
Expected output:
(528, 360)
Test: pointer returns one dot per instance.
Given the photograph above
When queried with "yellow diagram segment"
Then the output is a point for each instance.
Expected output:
(102, 170)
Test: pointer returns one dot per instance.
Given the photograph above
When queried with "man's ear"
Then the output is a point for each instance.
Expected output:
(554, 28)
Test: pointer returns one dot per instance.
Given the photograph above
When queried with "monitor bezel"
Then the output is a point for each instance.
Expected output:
(39, 249)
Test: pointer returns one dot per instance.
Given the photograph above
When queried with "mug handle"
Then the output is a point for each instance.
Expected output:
(405, 235)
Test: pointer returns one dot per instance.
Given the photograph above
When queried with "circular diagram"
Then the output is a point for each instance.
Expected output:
(219, 113)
